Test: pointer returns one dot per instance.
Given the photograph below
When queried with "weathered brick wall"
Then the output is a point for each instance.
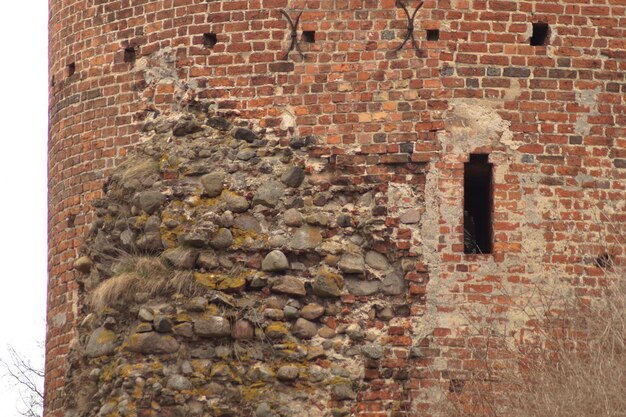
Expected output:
(551, 117)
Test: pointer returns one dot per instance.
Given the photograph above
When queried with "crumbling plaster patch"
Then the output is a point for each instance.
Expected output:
(587, 98)
(475, 125)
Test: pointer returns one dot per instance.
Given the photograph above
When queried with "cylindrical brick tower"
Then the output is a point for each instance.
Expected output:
(492, 141)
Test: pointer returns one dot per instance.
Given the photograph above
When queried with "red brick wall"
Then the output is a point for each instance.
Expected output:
(552, 118)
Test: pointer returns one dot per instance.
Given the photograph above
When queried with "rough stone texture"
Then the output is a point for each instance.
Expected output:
(293, 177)
(181, 258)
(287, 373)
(376, 260)
(269, 194)
(289, 285)
(83, 264)
(179, 383)
(243, 330)
(222, 239)
(245, 134)
(275, 261)
(362, 287)
(150, 201)
(292, 217)
(328, 284)
(393, 284)
(218, 123)
(207, 260)
(213, 183)
(163, 324)
(306, 238)
(312, 311)
(152, 343)
(101, 342)
(352, 264)
(372, 351)
(247, 223)
(234, 202)
(212, 327)
(186, 126)
(304, 329)
(411, 216)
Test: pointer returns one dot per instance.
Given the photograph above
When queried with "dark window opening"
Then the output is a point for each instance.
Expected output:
(308, 36)
(130, 55)
(209, 40)
(541, 34)
(71, 69)
(53, 82)
(478, 204)
(432, 34)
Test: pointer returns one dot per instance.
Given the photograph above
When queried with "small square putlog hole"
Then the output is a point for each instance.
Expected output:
(541, 34)
(71, 69)
(209, 40)
(308, 36)
(432, 34)
(130, 55)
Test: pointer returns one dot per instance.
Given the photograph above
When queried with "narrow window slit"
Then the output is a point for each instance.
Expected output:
(541, 34)
(432, 34)
(478, 204)
(308, 36)
(71, 69)
(209, 40)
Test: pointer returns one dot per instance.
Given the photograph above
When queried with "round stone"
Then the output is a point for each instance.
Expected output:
(275, 261)
(292, 218)
(312, 311)
(287, 373)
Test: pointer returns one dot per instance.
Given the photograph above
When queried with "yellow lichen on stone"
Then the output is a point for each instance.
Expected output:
(206, 279)
(245, 238)
(105, 337)
(254, 392)
(141, 220)
(197, 201)
(231, 283)
(276, 330)
(182, 317)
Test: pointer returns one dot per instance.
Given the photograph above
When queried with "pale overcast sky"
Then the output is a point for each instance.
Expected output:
(23, 188)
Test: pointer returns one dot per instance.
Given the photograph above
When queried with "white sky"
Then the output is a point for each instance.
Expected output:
(23, 188)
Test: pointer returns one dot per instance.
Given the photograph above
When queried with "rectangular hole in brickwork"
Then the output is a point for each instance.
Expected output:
(478, 204)
(71, 69)
(456, 386)
(308, 36)
(209, 40)
(541, 34)
(432, 34)
(130, 55)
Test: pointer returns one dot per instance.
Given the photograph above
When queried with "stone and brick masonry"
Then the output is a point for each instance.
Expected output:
(289, 234)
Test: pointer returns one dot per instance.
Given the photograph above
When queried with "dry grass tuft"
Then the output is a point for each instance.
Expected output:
(574, 365)
(141, 275)
(137, 168)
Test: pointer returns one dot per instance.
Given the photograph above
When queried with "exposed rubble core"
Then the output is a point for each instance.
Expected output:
(226, 275)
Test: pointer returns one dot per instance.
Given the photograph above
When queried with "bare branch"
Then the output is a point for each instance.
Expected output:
(28, 381)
